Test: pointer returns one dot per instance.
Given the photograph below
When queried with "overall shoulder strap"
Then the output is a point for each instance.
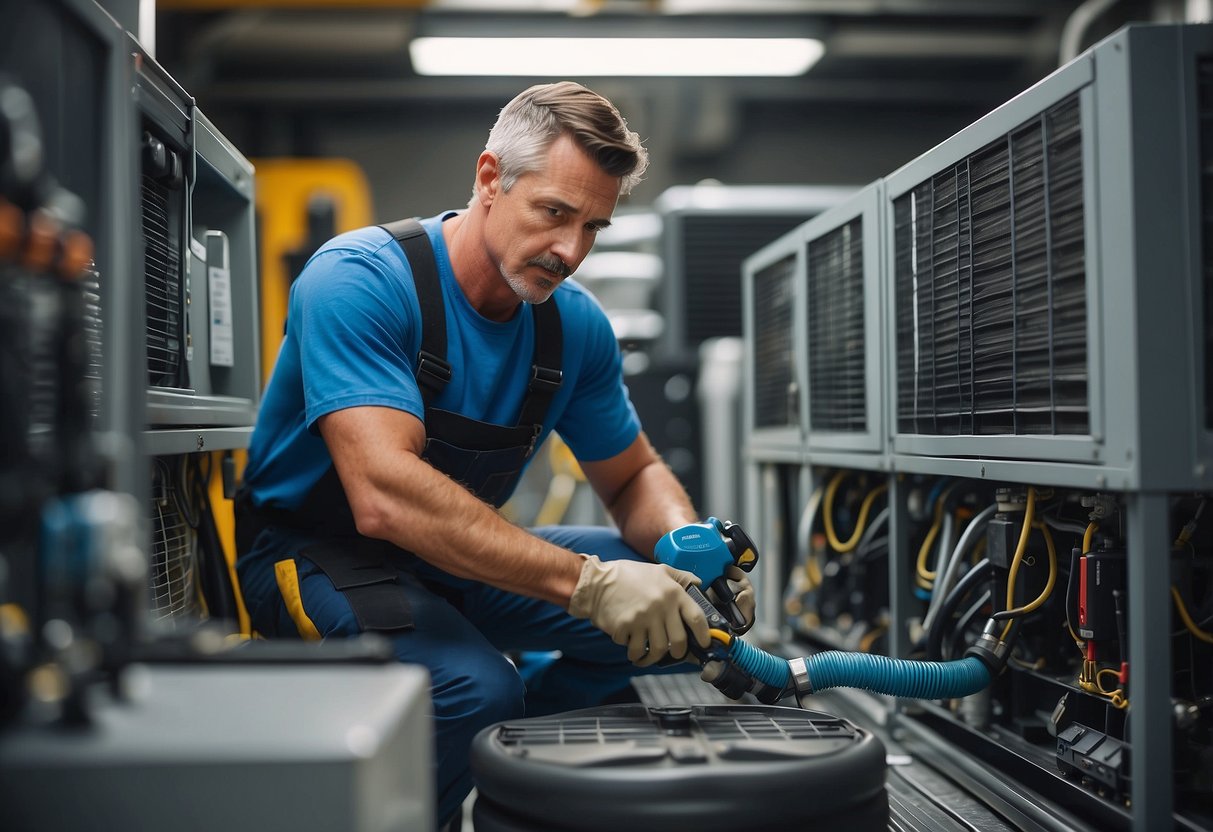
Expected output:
(433, 371)
(546, 360)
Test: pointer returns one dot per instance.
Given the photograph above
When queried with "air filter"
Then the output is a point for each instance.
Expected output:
(719, 767)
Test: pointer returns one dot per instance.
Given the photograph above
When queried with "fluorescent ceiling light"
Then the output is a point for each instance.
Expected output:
(581, 57)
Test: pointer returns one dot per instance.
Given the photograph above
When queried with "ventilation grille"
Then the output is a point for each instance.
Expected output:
(173, 571)
(598, 730)
(716, 724)
(837, 383)
(162, 276)
(1205, 93)
(93, 333)
(990, 288)
(713, 248)
(775, 392)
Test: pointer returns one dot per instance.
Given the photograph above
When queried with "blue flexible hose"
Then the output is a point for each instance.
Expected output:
(879, 674)
(760, 664)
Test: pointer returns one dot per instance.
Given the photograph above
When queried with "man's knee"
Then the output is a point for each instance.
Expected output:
(478, 694)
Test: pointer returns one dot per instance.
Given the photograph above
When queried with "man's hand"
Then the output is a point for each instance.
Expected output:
(743, 595)
(642, 605)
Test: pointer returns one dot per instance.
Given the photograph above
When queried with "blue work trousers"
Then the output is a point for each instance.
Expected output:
(462, 628)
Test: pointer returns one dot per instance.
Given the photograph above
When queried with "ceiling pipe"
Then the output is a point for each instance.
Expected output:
(1076, 27)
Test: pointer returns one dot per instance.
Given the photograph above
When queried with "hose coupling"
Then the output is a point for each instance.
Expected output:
(991, 650)
(800, 679)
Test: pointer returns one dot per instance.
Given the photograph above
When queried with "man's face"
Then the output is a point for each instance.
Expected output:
(539, 232)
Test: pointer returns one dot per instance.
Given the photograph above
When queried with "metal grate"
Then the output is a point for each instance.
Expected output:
(714, 723)
(1204, 82)
(990, 302)
(162, 282)
(93, 334)
(597, 730)
(739, 725)
(837, 382)
(713, 248)
(775, 391)
(173, 569)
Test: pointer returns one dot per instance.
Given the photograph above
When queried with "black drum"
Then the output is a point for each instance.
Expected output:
(628, 768)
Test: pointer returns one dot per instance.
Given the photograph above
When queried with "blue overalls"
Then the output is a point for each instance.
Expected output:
(308, 573)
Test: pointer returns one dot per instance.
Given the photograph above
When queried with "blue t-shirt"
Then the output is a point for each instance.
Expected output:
(352, 336)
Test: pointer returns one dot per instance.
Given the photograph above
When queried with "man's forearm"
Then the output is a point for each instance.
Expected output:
(652, 503)
(431, 515)
(398, 497)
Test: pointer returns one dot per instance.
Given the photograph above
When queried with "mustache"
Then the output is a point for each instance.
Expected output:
(552, 264)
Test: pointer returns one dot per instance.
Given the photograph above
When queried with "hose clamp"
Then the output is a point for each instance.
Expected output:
(800, 678)
(994, 645)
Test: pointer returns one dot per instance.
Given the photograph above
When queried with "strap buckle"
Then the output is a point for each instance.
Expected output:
(432, 370)
(545, 379)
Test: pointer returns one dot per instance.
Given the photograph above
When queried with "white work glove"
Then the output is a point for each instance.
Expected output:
(642, 605)
(743, 595)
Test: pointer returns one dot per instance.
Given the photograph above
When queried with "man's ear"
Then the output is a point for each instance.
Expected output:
(488, 178)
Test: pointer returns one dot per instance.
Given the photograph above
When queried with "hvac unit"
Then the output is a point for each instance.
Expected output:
(707, 231)
(200, 279)
(843, 326)
(1049, 280)
(166, 172)
(773, 374)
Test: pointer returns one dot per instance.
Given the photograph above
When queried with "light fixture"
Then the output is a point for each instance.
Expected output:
(614, 56)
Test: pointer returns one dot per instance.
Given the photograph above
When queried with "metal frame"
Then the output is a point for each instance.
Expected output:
(860, 450)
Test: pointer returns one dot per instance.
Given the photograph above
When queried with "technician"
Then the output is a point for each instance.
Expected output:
(422, 365)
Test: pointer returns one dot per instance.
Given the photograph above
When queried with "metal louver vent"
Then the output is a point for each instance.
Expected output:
(990, 298)
(837, 383)
(1204, 76)
(173, 571)
(93, 334)
(713, 248)
(162, 276)
(774, 371)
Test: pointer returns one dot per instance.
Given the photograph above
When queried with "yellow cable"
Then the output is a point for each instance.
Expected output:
(926, 577)
(1119, 700)
(1022, 546)
(1019, 553)
(1099, 677)
(840, 546)
(870, 637)
(812, 570)
(1077, 639)
(1187, 619)
(720, 635)
(979, 549)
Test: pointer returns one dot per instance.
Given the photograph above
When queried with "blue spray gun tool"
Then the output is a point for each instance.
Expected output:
(706, 550)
